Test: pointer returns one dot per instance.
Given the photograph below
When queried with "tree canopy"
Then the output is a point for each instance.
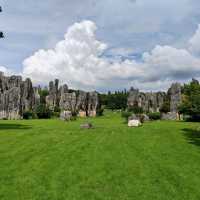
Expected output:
(191, 100)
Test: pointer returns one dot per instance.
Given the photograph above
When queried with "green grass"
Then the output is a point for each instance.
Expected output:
(55, 160)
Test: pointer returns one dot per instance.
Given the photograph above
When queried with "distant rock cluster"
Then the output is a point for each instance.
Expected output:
(18, 96)
(79, 102)
(153, 102)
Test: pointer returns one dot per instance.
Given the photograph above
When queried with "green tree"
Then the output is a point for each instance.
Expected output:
(191, 100)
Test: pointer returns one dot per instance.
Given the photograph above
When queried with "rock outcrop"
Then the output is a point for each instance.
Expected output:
(79, 102)
(153, 102)
(174, 93)
(16, 96)
(52, 100)
(149, 102)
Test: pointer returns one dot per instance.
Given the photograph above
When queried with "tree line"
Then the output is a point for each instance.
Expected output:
(114, 101)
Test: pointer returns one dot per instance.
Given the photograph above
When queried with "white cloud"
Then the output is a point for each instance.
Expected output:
(77, 61)
(6, 71)
(194, 42)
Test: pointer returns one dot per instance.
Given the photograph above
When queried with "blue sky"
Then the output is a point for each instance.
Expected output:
(128, 27)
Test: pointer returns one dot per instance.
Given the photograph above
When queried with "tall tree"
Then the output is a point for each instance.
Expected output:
(1, 33)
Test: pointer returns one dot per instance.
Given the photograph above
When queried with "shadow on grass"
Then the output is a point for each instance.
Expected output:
(192, 136)
(13, 127)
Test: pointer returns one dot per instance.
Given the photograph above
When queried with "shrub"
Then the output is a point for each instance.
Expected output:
(57, 109)
(43, 112)
(154, 116)
(100, 111)
(136, 109)
(126, 115)
(29, 115)
(55, 114)
(165, 107)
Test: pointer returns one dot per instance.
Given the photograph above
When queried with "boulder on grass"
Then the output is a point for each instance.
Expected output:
(141, 117)
(134, 123)
(86, 126)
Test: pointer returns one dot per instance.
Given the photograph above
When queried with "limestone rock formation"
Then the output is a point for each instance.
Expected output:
(52, 100)
(68, 101)
(152, 102)
(16, 96)
(174, 93)
(80, 102)
(92, 103)
(149, 102)
(66, 115)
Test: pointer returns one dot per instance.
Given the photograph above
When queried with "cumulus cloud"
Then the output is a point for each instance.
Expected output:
(6, 71)
(194, 42)
(78, 61)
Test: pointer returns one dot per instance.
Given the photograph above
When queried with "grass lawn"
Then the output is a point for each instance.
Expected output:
(55, 160)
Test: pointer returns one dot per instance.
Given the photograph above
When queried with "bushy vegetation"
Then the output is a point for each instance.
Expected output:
(126, 115)
(43, 112)
(43, 94)
(154, 116)
(114, 101)
(29, 115)
(100, 111)
(191, 101)
(136, 109)
(165, 107)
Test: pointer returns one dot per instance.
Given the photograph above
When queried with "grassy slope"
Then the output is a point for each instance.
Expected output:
(51, 159)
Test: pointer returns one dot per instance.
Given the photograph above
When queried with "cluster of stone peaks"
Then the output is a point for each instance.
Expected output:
(18, 96)
(81, 102)
(153, 102)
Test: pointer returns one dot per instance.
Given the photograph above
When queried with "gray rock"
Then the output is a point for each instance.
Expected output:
(170, 116)
(81, 104)
(52, 100)
(133, 117)
(86, 126)
(68, 102)
(66, 115)
(16, 96)
(92, 103)
(175, 97)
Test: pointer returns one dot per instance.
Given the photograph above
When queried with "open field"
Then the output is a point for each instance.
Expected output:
(54, 160)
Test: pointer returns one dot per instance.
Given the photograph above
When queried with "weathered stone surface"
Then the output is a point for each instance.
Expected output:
(149, 102)
(82, 114)
(134, 123)
(66, 115)
(86, 126)
(175, 97)
(16, 96)
(36, 97)
(68, 102)
(81, 104)
(145, 118)
(133, 117)
(27, 95)
(92, 103)
(141, 117)
(52, 100)
(152, 102)
(170, 116)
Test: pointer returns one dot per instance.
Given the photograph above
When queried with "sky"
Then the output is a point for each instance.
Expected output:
(102, 45)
